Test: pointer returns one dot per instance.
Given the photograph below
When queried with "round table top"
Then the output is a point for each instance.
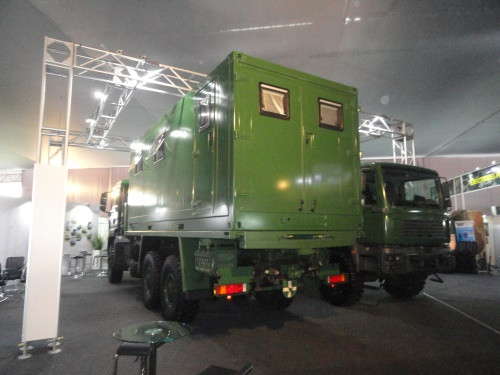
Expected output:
(153, 332)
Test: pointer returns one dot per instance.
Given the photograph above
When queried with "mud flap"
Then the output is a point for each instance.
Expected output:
(289, 288)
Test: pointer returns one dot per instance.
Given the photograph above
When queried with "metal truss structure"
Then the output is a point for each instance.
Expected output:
(122, 75)
(9, 177)
(80, 139)
(400, 132)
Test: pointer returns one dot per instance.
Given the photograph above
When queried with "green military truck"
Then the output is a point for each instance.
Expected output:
(247, 186)
(405, 227)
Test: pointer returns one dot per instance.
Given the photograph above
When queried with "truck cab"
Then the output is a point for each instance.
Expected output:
(113, 203)
(405, 225)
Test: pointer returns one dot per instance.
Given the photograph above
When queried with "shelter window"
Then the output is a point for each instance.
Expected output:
(139, 166)
(204, 112)
(330, 115)
(274, 101)
(158, 148)
(160, 152)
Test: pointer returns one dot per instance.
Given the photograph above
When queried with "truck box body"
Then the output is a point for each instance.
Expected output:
(259, 153)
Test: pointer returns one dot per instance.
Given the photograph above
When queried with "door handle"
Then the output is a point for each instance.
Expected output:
(210, 138)
(309, 140)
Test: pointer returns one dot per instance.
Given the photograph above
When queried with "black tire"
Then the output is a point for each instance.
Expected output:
(405, 286)
(115, 274)
(174, 305)
(344, 294)
(273, 300)
(151, 273)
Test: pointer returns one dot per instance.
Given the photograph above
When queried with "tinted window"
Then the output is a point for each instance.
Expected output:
(330, 115)
(274, 101)
(370, 192)
(139, 165)
(204, 112)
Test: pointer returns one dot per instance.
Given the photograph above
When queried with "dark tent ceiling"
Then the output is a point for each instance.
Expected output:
(433, 63)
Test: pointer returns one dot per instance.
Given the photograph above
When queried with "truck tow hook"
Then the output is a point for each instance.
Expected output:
(437, 279)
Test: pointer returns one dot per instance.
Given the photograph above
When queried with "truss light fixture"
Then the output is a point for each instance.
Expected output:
(349, 19)
(99, 95)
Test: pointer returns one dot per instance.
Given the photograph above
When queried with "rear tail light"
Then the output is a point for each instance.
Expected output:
(337, 279)
(228, 289)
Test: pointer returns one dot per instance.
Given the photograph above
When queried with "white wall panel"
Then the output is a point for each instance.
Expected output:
(43, 285)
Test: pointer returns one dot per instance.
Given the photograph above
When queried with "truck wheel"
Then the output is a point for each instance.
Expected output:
(273, 300)
(115, 274)
(405, 286)
(173, 303)
(343, 294)
(151, 272)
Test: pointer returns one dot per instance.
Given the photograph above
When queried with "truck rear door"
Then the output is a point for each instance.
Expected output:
(330, 166)
(270, 144)
(294, 157)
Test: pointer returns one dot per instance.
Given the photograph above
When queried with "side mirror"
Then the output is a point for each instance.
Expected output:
(446, 193)
(103, 202)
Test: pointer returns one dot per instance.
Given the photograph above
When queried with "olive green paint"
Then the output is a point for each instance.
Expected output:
(257, 181)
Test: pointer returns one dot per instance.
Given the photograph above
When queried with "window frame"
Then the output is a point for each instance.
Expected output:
(206, 93)
(159, 141)
(208, 98)
(276, 89)
(373, 194)
(139, 166)
(340, 113)
(162, 146)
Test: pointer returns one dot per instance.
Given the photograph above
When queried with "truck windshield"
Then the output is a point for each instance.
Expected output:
(412, 188)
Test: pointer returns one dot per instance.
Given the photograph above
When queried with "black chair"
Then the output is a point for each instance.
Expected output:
(139, 350)
(15, 269)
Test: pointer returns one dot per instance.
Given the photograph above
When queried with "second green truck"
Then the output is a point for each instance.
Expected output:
(406, 227)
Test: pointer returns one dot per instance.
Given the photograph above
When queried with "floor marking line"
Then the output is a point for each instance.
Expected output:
(461, 312)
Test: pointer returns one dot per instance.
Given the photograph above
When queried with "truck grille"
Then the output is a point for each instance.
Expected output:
(427, 229)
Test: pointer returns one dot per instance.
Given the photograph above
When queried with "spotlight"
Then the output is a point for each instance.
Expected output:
(99, 95)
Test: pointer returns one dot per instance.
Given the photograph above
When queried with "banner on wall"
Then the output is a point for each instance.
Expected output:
(481, 179)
